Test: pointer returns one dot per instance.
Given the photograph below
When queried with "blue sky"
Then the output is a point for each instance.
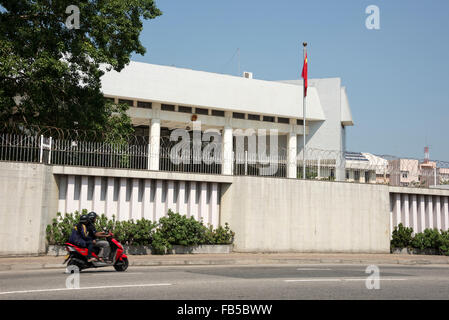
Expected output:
(397, 78)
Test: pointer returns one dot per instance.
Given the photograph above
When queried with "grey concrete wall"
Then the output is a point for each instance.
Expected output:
(275, 215)
(28, 202)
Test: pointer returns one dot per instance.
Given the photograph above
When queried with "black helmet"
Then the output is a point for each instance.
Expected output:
(92, 216)
(84, 219)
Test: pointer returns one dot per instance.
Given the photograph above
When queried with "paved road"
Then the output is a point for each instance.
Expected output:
(258, 282)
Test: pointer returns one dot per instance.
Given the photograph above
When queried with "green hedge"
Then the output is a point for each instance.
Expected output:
(428, 239)
(174, 229)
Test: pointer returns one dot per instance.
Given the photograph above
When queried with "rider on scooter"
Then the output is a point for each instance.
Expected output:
(102, 244)
(80, 237)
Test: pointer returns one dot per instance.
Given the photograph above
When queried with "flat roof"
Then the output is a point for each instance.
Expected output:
(180, 86)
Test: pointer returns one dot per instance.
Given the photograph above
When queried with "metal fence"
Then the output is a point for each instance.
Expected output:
(248, 164)
(320, 164)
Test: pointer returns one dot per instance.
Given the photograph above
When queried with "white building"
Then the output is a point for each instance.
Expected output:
(163, 98)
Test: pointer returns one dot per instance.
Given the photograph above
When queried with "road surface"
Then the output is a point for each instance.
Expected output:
(254, 282)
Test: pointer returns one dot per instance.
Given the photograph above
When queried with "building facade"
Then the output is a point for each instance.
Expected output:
(243, 111)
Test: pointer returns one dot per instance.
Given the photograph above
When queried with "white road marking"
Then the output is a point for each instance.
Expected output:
(340, 279)
(313, 269)
(87, 288)
(311, 280)
(107, 273)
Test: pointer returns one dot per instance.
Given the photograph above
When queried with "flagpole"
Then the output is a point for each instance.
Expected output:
(304, 118)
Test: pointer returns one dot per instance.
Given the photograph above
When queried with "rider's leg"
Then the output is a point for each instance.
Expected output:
(103, 245)
(90, 249)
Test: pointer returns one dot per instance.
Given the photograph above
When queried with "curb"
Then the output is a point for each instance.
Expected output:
(237, 261)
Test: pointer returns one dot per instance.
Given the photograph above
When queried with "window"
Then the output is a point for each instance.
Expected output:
(347, 174)
(268, 119)
(218, 113)
(109, 99)
(168, 107)
(201, 111)
(356, 175)
(238, 115)
(283, 120)
(128, 102)
(143, 104)
(299, 122)
(254, 117)
(185, 109)
(142, 131)
(404, 174)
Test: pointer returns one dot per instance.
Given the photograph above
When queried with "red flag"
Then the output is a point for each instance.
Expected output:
(304, 75)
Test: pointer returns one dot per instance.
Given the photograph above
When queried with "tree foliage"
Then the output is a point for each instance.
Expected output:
(51, 74)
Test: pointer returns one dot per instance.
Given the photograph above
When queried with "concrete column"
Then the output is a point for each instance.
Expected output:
(391, 215)
(422, 212)
(446, 212)
(437, 213)
(111, 208)
(155, 137)
(406, 211)
(148, 206)
(62, 199)
(204, 212)
(415, 213)
(136, 209)
(97, 206)
(158, 204)
(170, 199)
(397, 208)
(340, 167)
(213, 206)
(430, 212)
(193, 206)
(292, 140)
(227, 145)
(83, 194)
(181, 205)
(123, 209)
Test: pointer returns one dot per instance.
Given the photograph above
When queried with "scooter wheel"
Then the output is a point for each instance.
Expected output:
(121, 265)
(73, 265)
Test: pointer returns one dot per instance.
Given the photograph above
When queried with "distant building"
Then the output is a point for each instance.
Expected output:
(366, 168)
(413, 173)
(404, 172)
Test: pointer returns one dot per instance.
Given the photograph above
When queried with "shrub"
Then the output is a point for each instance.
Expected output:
(220, 235)
(444, 243)
(429, 239)
(127, 232)
(174, 229)
(401, 237)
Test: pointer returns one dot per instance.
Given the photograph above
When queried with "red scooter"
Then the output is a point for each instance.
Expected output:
(77, 256)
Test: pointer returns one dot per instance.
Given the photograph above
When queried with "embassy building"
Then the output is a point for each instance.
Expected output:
(257, 122)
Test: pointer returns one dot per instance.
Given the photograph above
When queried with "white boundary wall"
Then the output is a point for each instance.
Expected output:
(136, 198)
(419, 209)
(267, 214)
(287, 215)
(28, 202)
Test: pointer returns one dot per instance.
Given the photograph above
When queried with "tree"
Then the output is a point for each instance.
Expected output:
(50, 72)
